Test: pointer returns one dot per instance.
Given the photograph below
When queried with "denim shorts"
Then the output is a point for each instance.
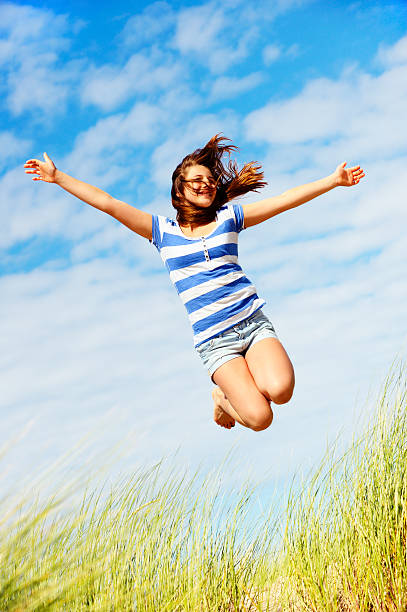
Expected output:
(235, 341)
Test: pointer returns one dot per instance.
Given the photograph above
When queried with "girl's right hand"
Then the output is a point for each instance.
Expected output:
(44, 171)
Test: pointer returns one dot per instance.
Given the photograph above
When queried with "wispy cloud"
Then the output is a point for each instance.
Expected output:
(271, 53)
(107, 86)
(220, 36)
(229, 87)
(274, 52)
(11, 148)
(393, 55)
(150, 26)
(29, 55)
(366, 110)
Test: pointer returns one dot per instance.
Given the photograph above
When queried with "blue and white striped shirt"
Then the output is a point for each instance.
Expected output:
(206, 273)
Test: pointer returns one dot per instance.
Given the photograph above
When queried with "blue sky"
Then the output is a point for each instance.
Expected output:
(94, 338)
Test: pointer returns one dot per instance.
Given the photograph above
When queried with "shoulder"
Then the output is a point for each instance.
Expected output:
(161, 226)
(234, 212)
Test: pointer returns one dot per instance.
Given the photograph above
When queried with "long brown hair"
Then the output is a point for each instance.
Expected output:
(230, 181)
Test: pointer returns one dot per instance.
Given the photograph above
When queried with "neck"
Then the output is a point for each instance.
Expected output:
(189, 215)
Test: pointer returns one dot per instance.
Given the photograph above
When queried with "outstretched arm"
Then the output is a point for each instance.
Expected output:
(265, 209)
(135, 219)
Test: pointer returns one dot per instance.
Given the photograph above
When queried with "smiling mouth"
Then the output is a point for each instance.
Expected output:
(207, 191)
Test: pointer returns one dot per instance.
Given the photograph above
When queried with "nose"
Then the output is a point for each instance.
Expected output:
(209, 182)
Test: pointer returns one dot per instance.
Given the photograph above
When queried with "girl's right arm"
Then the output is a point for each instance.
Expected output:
(135, 219)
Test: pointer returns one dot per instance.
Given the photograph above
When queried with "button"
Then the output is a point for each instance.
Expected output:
(205, 248)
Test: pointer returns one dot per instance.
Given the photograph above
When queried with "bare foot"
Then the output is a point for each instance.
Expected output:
(221, 417)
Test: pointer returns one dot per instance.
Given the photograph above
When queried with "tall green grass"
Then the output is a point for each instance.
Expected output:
(345, 539)
(158, 541)
(162, 540)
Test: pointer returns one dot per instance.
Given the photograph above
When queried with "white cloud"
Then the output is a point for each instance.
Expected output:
(25, 24)
(293, 50)
(364, 112)
(393, 55)
(150, 26)
(29, 209)
(11, 148)
(134, 127)
(320, 110)
(38, 85)
(225, 87)
(198, 28)
(263, 9)
(216, 36)
(108, 86)
(271, 53)
(33, 41)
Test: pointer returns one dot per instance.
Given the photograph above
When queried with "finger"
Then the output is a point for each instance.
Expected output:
(343, 164)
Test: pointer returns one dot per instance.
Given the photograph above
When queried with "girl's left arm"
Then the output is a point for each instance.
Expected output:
(257, 212)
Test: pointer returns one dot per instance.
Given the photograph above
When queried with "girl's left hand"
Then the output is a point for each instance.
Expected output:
(347, 177)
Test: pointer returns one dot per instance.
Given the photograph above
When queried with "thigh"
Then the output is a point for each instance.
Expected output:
(237, 383)
(271, 369)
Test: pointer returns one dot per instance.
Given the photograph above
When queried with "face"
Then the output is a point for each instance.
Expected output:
(199, 186)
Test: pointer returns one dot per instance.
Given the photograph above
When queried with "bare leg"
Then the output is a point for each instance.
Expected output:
(247, 385)
(271, 369)
(245, 402)
(223, 412)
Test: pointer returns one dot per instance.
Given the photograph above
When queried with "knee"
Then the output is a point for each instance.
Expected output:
(283, 395)
(261, 421)
(280, 392)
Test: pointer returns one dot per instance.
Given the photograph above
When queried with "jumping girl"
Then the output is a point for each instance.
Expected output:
(235, 340)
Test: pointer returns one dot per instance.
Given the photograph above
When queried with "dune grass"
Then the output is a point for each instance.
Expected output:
(345, 539)
(168, 541)
(157, 541)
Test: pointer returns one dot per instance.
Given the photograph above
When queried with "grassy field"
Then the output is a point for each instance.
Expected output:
(171, 542)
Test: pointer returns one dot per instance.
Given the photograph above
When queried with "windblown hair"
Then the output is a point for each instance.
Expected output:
(230, 181)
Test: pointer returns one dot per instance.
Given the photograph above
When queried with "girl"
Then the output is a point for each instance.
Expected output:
(235, 340)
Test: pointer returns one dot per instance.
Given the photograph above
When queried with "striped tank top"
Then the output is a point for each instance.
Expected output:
(206, 274)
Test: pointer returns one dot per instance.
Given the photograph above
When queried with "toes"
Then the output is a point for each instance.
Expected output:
(226, 425)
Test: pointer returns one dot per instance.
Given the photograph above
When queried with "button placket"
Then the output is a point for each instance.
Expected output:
(205, 248)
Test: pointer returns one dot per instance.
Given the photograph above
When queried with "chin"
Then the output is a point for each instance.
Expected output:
(205, 203)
